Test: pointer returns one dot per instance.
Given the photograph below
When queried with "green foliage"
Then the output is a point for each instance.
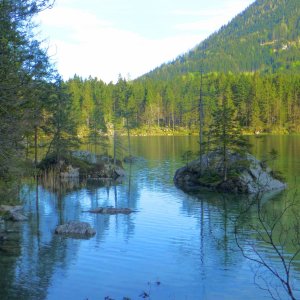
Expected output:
(61, 127)
(272, 157)
(210, 178)
(225, 134)
(260, 103)
(38, 111)
(273, 154)
(278, 175)
(9, 191)
(187, 156)
(32, 101)
(21, 60)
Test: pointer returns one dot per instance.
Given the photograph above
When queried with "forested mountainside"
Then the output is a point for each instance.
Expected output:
(253, 62)
(265, 38)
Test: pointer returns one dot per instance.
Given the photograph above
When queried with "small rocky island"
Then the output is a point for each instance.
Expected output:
(246, 175)
(83, 164)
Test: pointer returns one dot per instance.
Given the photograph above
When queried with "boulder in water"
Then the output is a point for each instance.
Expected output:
(247, 175)
(111, 210)
(75, 229)
(13, 213)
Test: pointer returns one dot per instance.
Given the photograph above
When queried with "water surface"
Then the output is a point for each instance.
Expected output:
(176, 246)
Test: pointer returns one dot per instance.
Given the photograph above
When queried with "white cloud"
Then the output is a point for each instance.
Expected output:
(94, 47)
(71, 19)
(85, 44)
(117, 52)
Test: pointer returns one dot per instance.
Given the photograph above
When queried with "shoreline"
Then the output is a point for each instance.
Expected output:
(182, 132)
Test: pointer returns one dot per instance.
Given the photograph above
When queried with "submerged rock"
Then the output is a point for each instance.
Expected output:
(76, 229)
(249, 175)
(13, 213)
(10, 208)
(130, 159)
(17, 216)
(111, 210)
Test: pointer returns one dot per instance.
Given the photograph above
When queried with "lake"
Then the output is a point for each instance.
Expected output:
(175, 246)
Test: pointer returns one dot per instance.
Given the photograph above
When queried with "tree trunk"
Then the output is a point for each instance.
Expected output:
(201, 121)
(115, 147)
(35, 145)
(128, 137)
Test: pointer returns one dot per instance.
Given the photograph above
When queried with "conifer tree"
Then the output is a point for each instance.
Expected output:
(225, 132)
(24, 66)
(61, 127)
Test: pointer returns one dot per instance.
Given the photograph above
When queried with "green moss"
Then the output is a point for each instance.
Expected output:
(9, 192)
(210, 178)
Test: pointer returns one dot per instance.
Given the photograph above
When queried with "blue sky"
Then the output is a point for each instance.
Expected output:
(105, 38)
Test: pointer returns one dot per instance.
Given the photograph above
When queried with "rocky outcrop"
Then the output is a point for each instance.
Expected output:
(101, 166)
(13, 213)
(82, 164)
(111, 211)
(75, 229)
(85, 155)
(247, 175)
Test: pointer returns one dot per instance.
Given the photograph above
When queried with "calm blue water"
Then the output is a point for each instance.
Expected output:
(176, 246)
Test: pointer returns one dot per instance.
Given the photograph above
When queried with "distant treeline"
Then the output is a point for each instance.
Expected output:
(265, 103)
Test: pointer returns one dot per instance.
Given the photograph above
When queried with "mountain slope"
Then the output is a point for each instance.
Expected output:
(265, 37)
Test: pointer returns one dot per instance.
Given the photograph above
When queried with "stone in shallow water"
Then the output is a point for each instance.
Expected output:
(13, 213)
(16, 216)
(111, 210)
(76, 229)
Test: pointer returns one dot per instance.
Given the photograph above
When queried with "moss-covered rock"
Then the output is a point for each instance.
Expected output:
(246, 175)
(75, 229)
(83, 164)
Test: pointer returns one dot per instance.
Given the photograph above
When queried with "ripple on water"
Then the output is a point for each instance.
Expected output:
(184, 242)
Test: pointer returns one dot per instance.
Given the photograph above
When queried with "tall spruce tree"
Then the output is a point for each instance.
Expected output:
(225, 132)
(61, 127)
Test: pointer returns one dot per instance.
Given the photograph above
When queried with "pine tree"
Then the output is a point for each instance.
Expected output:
(24, 67)
(61, 127)
(225, 133)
